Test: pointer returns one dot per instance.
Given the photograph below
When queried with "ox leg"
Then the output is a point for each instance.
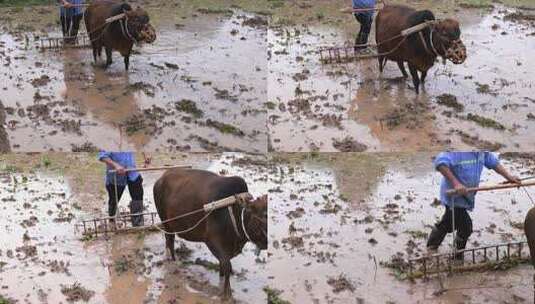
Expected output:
(227, 267)
(95, 54)
(215, 252)
(108, 57)
(382, 61)
(402, 69)
(126, 61)
(170, 245)
(415, 78)
(422, 78)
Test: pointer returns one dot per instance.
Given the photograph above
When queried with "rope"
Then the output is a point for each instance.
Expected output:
(183, 231)
(243, 225)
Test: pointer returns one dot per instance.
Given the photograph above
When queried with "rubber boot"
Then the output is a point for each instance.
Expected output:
(137, 207)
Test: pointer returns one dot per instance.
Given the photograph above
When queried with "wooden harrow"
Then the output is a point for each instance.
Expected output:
(57, 43)
(121, 223)
(345, 54)
(480, 258)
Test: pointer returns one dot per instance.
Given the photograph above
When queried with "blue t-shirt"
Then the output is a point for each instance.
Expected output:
(364, 4)
(467, 168)
(125, 159)
(72, 11)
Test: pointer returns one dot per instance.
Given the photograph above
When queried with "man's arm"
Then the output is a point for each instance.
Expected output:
(120, 169)
(457, 185)
(503, 172)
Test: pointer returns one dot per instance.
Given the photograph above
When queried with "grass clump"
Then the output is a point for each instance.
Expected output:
(273, 296)
(485, 122)
(190, 107)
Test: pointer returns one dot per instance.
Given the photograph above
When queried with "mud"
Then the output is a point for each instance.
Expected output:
(44, 259)
(390, 217)
(382, 111)
(79, 103)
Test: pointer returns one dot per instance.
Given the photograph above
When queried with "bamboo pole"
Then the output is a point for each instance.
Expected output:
(153, 168)
(493, 187)
(359, 10)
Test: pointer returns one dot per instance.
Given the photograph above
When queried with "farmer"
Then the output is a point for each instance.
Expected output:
(365, 18)
(120, 162)
(461, 170)
(71, 13)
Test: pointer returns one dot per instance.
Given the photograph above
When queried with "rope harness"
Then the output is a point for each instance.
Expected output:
(124, 28)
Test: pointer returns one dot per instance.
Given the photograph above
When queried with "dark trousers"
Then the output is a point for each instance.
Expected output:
(70, 25)
(135, 188)
(463, 225)
(365, 21)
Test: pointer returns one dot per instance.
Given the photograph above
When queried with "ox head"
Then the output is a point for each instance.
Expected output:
(448, 34)
(256, 221)
(139, 25)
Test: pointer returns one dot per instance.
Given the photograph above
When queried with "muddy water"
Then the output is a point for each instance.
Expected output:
(132, 268)
(222, 74)
(383, 112)
(336, 237)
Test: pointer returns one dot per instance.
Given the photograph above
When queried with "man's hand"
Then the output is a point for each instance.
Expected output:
(511, 179)
(460, 189)
(515, 180)
(67, 4)
(120, 170)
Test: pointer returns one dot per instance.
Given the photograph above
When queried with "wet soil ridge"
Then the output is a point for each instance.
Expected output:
(484, 103)
(210, 87)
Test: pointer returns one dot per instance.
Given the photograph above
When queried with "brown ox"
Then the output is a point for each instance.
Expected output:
(120, 34)
(180, 191)
(420, 50)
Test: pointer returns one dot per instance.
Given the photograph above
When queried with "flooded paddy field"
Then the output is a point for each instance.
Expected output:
(337, 218)
(485, 103)
(44, 259)
(201, 86)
